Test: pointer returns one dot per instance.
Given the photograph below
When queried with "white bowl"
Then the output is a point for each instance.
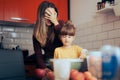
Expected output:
(74, 63)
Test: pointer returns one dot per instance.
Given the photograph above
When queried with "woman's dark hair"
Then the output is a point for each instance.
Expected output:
(40, 30)
(43, 6)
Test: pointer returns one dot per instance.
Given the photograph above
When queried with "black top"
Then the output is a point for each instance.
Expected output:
(48, 48)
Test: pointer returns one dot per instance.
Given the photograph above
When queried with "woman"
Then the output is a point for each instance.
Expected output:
(45, 36)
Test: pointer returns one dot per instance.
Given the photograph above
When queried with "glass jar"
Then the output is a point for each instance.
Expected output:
(94, 60)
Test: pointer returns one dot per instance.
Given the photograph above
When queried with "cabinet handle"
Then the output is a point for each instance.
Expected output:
(19, 19)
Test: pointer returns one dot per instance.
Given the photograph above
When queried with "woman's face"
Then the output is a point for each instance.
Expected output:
(48, 22)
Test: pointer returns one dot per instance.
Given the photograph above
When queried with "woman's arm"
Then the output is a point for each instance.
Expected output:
(38, 53)
(59, 25)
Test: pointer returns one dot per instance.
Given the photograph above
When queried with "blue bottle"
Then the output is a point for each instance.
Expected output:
(109, 63)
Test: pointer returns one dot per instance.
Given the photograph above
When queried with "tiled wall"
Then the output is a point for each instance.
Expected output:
(13, 36)
(103, 29)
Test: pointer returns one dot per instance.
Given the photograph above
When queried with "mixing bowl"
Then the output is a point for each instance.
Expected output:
(74, 63)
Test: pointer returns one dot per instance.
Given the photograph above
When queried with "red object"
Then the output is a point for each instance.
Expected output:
(50, 75)
(79, 76)
(73, 73)
(93, 78)
(62, 6)
(39, 73)
(87, 75)
(27, 9)
(1, 10)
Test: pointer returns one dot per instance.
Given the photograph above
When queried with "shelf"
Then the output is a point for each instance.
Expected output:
(105, 10)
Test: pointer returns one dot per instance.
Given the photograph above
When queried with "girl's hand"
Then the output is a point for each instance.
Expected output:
(84, 53)
(83, 56)
(51, 15)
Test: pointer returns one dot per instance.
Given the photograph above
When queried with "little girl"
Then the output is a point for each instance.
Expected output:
(68, 50)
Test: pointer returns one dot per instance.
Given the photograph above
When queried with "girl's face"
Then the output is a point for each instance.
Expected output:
(67, 40)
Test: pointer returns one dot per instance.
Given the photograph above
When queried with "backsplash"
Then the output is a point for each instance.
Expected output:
(14, 36)
(103, 29)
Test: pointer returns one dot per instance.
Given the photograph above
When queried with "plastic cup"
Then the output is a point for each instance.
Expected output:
(95, 63)
(61, 69)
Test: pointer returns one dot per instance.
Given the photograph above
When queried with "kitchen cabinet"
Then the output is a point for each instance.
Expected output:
(1, 10)
(63, 7)
(26, 10)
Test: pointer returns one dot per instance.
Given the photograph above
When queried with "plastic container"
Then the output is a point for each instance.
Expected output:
(94, 60)
(74, 63)
(62, 67)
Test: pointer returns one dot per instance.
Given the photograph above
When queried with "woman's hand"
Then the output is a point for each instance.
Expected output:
(51, 15)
